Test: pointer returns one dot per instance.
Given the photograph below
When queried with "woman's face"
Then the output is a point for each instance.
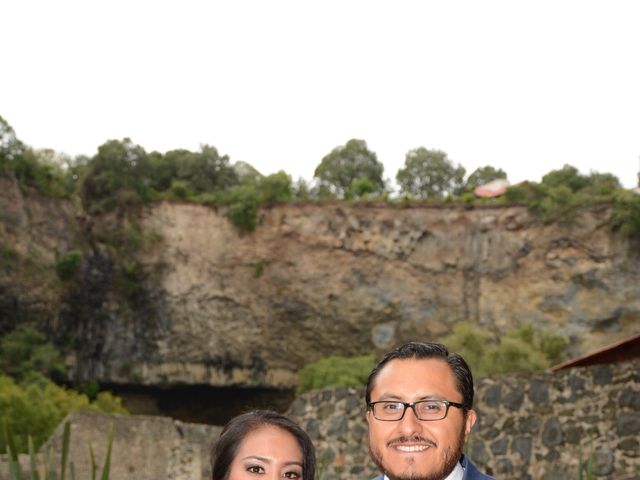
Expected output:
(267, 453)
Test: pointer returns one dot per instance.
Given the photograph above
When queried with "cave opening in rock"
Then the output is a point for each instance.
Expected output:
(200, 403)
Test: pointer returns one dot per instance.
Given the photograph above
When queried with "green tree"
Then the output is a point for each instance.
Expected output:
(482, 176)
(567, 176)
(626, 213)
(246, 173)
(10, 147)
(117, 176)
(40, 169)
(206, 171)
(429, 174)
(74, 169)
(603, 183)
(301, 189)
(163, 168)
(275, 188)
(339, 171)
(26, 350)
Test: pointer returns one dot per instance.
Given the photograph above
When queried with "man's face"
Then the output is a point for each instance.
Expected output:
(411, 448)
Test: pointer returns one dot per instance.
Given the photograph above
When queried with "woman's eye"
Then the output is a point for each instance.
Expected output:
(292, 475)
(255, 469)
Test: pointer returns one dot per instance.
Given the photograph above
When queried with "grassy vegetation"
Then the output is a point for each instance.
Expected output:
(33, 404)
(68, 265)
(25, 350)
(522, 349)
(335, 371)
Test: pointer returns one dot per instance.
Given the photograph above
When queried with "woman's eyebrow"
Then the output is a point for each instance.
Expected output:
(256, 457)
(268, 460)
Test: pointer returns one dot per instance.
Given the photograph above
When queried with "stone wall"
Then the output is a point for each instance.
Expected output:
(144, 447)
(529, 427)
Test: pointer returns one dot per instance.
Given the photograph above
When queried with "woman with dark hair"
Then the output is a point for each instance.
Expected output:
(263, 445)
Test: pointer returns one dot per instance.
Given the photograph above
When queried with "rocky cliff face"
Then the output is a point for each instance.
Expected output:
(220, 309)
(34, 231)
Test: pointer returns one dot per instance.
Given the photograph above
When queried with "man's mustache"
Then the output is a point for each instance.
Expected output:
(414, 439)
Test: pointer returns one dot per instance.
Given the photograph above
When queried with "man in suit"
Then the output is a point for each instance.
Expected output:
(419, 410)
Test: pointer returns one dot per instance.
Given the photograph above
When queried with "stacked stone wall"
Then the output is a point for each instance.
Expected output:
(144, 447)
(530, 427)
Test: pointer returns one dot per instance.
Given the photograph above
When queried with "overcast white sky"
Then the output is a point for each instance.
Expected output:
(525, 86)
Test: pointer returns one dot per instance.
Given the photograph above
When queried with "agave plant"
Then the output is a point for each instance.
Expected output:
(586, 470)
(50, 470)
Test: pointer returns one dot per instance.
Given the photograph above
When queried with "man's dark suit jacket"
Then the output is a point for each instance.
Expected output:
(470, 471)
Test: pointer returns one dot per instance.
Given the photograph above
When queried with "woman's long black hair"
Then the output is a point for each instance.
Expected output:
(226, 448)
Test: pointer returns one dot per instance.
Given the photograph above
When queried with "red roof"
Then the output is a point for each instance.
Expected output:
(622, 351)
(494, 188)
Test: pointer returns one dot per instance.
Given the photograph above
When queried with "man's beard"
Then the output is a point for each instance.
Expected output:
(452, 455)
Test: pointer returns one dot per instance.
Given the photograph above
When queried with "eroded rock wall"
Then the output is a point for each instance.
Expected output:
(317, 280)
(34, 232)
(210, 306)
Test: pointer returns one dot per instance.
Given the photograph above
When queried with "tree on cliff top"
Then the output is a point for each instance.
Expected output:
(567, 176)
(429, 174)
(342, 172)
(206, 170)
(10, 146)
(117, 176)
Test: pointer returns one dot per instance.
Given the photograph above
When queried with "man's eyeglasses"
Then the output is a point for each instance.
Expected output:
(426, 410)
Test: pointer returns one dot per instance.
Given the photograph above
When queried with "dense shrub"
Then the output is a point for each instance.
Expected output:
(118, 176)
(25, 350)
(568, 176)
(335, 371)
(38, 169)
(563, 192)
(242, 203)
(68, 264)
(523, 349)
(36, 406)
(180, 189)
(205, 171)
(626, 213)
(275, 188)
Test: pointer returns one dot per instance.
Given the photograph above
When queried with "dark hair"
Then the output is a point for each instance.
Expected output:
(226, 448)
(420, 351)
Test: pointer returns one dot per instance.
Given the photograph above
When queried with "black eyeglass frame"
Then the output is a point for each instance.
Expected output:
(412, 405)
